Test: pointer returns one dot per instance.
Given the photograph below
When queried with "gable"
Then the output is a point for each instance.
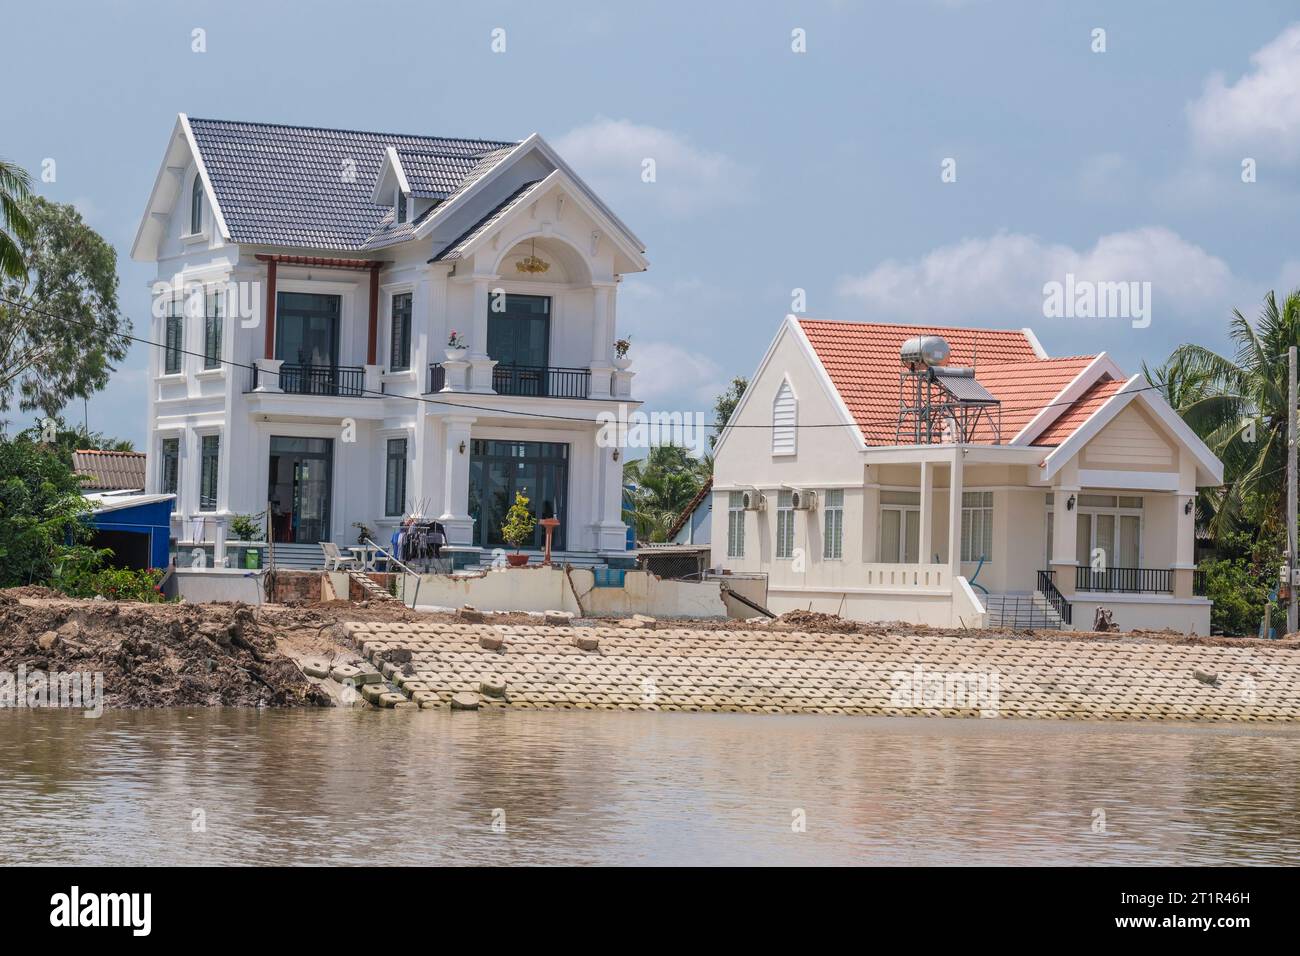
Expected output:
(1131, 440)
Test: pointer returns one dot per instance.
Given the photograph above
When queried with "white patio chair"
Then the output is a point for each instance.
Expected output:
(335, 560)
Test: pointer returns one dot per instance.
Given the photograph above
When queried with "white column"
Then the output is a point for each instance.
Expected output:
(954, 510)
(601, 339)
(480, 372)
(455, 486)
(926, 554)
(870, 521)
(426, 486)
(610, 532)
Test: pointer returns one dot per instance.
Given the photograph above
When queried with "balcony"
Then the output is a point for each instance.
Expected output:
(330, 380)
(533, 381)
(1134, 581)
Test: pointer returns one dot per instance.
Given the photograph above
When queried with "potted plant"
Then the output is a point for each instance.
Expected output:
(621, 348)
(246, 529)
(363, 532)
(518, 528)
(456, 346)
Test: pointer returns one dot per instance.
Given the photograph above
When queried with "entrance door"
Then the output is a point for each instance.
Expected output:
(499, 469)
(299, 487)
(900, 535)
(519, 339)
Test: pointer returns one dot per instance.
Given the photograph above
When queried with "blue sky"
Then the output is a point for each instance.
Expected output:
(776, 170)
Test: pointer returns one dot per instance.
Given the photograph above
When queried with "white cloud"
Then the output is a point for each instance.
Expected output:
(673, 378)
(1260, 113)
(1001, 278)
(609, 154)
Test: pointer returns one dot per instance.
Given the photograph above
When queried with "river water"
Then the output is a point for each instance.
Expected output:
(356, 786)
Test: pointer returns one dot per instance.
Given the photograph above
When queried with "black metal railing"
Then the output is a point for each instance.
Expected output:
(1198, 583)
(541, 381)
(1125, 580)
(345, 380)
(1047, 587)
(437, 378)
(1022, 610)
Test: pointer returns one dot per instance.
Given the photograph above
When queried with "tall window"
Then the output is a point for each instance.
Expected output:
(196, 205)
(784, 416)
(785, 524)
(174, 337)
(401, 206)
(976, 525)
(833, 524)
(211, 448)
(399, 352)
(169, 471)
(735, 524)
(212, 316)
(395, 477)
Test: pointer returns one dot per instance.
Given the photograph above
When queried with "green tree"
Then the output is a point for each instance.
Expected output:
(659, 487)
(15, 227)
(725, 407)
(66, 440)
(61, 338)
(1239, 408)
(42, 517)
(520, 522)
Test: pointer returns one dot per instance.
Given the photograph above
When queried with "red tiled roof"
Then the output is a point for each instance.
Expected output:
(1079, 412)
(109, 470)
(862, 361)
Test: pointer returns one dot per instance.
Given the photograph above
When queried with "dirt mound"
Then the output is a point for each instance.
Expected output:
(155, 655)
(816, 622)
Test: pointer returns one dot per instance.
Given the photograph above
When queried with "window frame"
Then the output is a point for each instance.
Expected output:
(968, 520)
(389, 459)
(196, 205)
(214, 314)
(407, 314)
(833, 509)
(208, 501)
(735, 524)
(174, 325)
(164, 486)
(784, 525)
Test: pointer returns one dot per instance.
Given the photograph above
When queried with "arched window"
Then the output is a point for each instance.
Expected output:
(196, 205)
(785, 412)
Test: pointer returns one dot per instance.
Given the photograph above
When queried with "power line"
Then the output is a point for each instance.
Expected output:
(856, 423)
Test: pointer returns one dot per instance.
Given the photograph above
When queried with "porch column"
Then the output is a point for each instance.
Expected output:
(601, 340)
(480, 373)
(455, 482)
(269, 311)
(954, 510)
(926, 551)
(372, 330)
(1184, 543)
(610, 532)
(870, 521)
(426, 487)
(1065, 536)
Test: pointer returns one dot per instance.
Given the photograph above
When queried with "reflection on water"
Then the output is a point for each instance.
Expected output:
(347, 786)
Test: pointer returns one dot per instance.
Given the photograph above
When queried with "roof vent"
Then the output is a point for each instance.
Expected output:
(924, 351)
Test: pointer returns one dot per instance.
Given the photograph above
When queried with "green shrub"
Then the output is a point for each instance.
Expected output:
(115, 584)
(246, 528)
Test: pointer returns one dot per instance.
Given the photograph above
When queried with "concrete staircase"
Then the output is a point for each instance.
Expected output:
(299, 557)
(370, 588)
(1024, 610)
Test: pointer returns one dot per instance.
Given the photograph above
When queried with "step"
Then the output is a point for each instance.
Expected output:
(1022, 610)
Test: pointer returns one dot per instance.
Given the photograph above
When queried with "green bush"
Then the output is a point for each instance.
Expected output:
(1239, 590)
(43, 526)
(115, 584)
(246, 528)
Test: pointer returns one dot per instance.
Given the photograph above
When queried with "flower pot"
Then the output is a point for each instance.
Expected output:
(455, 355)
(622, 362)
(517, 560)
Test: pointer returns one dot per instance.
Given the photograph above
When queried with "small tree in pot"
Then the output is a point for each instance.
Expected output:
(518, 528)
(247, 528)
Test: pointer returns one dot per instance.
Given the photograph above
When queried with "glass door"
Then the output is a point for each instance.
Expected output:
(900, 535)
(299, 489)
(307, 341)
(519, 338)
(499, 470)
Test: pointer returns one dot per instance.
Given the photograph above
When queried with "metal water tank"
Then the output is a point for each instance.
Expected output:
(922, 350)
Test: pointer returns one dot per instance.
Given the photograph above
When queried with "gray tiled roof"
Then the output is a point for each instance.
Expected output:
(285, 185)
(457, 246)
(109, 470)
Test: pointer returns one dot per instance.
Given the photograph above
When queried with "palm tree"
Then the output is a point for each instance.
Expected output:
(1239, 408)
(15, 227)
(659, 487)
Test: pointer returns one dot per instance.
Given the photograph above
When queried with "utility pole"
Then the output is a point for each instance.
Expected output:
(1291, 489)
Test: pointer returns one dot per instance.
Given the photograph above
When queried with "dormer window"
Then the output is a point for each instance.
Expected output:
(196, 206)
(401, 206)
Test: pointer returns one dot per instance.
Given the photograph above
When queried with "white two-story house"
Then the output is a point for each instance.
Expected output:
(960, 477)
(311, 285)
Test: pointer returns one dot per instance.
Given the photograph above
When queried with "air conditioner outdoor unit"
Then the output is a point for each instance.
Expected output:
(754, 500)
(801, 500)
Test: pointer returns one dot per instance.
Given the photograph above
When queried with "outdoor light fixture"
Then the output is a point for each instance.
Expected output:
(462, 448)
(530, 262)
(1069, 504)
(1187, 508)
(616, 454)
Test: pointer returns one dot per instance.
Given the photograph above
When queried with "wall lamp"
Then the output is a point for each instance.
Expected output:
(1069, 503)
(1187, 508)
(616, 454)
(462, 447)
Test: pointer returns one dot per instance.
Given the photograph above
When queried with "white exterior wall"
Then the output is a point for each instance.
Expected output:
(582, 284)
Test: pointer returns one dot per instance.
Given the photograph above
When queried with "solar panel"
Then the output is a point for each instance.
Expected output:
(961, 385)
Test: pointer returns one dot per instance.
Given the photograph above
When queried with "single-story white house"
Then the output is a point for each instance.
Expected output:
(1073, 484)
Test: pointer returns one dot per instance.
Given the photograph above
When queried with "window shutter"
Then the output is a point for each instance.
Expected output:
(784, 416)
